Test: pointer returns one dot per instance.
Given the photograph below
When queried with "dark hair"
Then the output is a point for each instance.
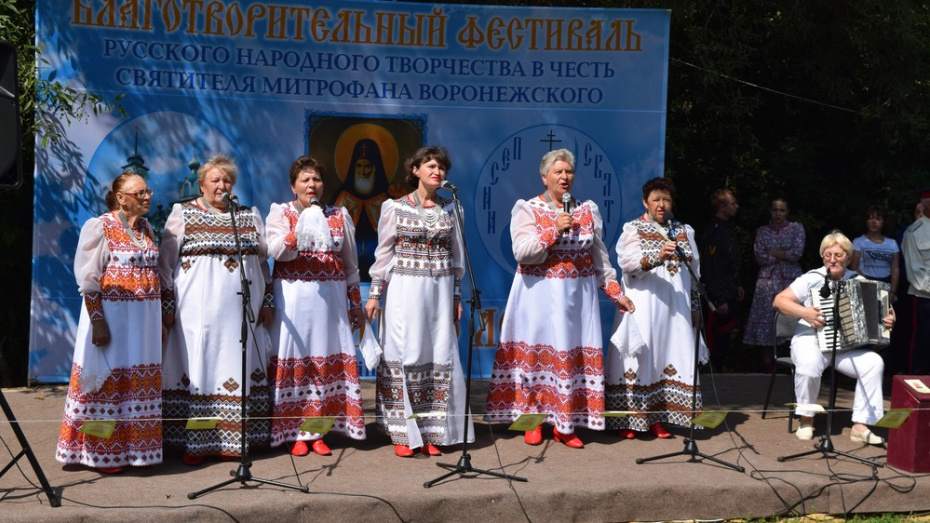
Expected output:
(719, 198)
(116, 187)
(780, 199)
(304, 163)
(659, 184)
(423, 155)
(877, 210)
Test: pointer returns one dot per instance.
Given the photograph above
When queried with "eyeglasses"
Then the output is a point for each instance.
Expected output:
(834, 256)
(140, 194)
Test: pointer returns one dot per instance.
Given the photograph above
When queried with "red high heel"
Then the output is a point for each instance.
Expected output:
(299, 448)
(110, 470)
(533, 437)
(657, 430)
(320, 448)
(432, 450)
(627, 434)
(402, 451)
(570, 440)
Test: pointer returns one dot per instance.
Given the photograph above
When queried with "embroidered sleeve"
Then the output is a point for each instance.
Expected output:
(384, 254)
(168, 303)
(94, 303)
(457, 289)
(613, 290)
(530, 241)
(374, 291)
(355, 297)
(268, 298)
(91, 256)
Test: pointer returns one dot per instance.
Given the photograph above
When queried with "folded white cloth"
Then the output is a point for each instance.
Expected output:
(371, 349)
(312, 231)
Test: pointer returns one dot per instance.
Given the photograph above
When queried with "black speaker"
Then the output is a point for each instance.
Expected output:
(11, 169)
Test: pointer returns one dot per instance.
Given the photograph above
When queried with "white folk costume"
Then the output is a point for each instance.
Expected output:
(650, 363)
(315, 372)
(550, 356)
(203, 354)
(116, 272)
(419, 268)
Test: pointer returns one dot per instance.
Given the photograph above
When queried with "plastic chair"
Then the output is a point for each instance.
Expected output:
(784, 330)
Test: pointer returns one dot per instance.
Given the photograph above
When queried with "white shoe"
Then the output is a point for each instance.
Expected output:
(805, 432)
(867, 436)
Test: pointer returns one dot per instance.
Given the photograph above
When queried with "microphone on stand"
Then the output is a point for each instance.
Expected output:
(568, 203)
(446, 185)
(231, 199)
(825, 290)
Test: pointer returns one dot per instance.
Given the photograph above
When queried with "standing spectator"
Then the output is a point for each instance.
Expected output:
(720, 265)
(876, 256)
(898, 353)
(917, 264)
(778, 247)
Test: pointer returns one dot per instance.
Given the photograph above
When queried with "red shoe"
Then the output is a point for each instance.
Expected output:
(320, 448)
(657, 430)
(110, 470)
(229, 458)
(533, 437)
(403, 451)
(627, 434)
(299, 448)
(191, 460)
(570, 440)
(432, 450)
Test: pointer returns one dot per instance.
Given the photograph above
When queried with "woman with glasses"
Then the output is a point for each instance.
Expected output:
(202, 312)
(799, 300)
(116, 371)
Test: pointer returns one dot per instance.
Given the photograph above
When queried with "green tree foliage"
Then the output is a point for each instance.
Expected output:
(44, 105)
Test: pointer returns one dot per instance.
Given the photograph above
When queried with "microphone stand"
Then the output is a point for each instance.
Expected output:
(242, 474)
(825, 447)
(464, 464)
(691, 448)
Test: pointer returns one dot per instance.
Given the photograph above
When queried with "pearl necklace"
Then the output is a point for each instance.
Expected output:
(222, 215)
(430, 216)
(137, 238)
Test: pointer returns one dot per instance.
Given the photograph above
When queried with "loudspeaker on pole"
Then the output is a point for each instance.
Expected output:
(11, 169)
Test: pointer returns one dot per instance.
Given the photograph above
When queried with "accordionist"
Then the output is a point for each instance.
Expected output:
(862, 364)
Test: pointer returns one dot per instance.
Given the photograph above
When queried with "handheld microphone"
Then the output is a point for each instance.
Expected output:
(446, 185)
(670, 220)
(568, 203)
(316, 201)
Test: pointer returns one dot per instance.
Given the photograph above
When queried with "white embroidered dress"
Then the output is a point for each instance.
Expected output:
(315, 371)
(203, 354)
(122, 380)
(650, 364)
(550, 357)
(420, 268)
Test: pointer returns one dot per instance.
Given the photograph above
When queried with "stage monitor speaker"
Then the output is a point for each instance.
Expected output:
(11, 169)
(909, 444)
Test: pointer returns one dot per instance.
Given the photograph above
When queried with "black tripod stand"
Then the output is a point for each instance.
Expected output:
(825, 447)
(691, 448)
(243, 474)
(27, 451)
(464, 464)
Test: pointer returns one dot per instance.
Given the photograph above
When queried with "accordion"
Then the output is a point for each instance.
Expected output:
(862, 305)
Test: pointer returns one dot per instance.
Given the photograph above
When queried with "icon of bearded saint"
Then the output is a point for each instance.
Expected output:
(365, 188)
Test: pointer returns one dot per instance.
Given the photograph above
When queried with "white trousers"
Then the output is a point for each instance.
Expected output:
(864, 365)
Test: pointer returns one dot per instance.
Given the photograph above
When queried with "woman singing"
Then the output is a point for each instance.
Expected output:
(116, 372)
(418, 269)
(317, 304)
(202, 308)
(550, 356)
(650, 364)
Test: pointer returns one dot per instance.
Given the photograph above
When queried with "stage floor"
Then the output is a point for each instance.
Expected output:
(364, 481)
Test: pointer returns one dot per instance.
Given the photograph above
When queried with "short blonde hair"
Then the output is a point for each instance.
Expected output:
(221, 162)
(836, 237)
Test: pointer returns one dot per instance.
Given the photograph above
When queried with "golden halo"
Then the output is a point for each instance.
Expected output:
(379, 135)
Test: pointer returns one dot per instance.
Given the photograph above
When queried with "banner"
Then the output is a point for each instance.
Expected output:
(359, 86)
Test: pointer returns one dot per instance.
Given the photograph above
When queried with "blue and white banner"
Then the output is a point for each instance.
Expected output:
(360, 86)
